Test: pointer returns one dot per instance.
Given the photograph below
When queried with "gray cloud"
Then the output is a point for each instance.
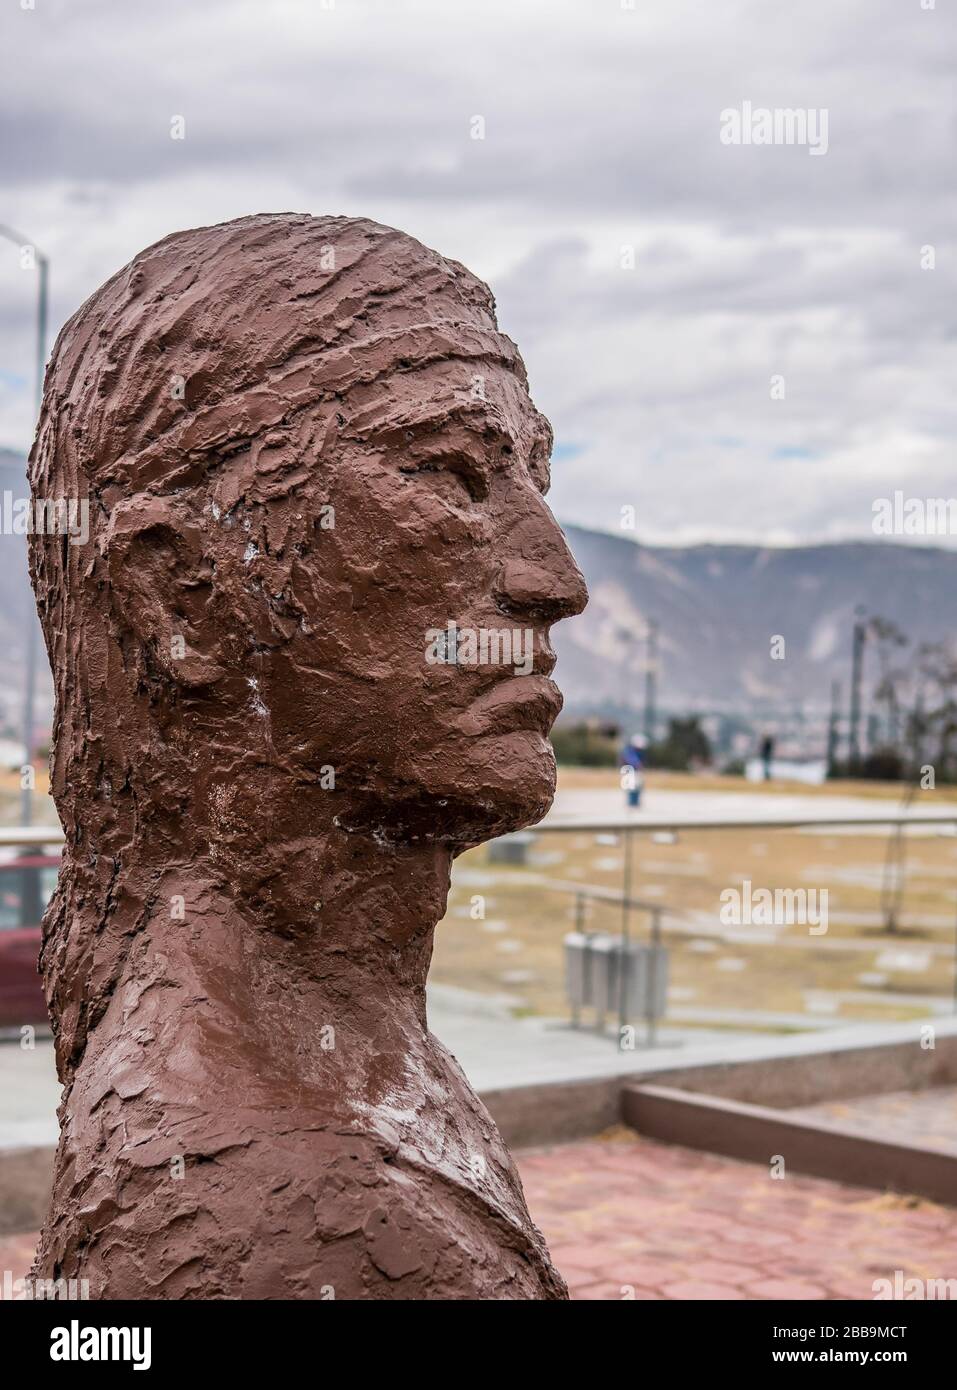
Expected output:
(602, 131)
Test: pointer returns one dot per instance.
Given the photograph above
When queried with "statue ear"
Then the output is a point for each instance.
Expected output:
(162, 584)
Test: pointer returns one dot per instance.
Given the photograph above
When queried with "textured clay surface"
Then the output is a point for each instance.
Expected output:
(304, 443)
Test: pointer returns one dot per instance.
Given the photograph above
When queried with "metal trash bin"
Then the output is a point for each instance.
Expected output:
(578, 971)
(604, 974)
(591, 969)
(644, 989)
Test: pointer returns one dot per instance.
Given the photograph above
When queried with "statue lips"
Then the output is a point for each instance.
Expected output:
(513, 704)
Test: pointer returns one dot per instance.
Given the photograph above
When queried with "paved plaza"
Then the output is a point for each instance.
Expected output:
(626, 1217)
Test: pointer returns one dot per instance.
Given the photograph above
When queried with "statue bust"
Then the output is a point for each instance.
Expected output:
(301, 664)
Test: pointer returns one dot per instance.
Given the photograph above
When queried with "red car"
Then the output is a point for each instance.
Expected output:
(26, 886)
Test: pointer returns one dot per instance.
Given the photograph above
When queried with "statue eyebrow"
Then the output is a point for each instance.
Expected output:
(479, 421)
(482, 424)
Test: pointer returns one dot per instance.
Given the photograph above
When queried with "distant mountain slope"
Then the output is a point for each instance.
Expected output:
(718, 607)
(16, 599)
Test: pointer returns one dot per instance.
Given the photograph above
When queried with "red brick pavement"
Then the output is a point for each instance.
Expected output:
(629, 1218)
(927, 1117)
(16, 1254)
(626, 1217)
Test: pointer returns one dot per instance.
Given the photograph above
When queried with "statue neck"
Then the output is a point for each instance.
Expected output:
(253, 909)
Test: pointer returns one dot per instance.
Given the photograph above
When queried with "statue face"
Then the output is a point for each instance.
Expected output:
(326, 552)
(427, 573)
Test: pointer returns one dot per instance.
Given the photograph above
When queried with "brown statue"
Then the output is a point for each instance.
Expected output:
(315, 480)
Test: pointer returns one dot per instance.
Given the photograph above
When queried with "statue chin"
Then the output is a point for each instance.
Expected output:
(465, 799)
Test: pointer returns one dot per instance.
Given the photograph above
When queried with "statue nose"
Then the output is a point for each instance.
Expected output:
(549, 588)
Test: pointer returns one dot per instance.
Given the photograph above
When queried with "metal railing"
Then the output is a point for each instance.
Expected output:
(627, 827)
(34, 836)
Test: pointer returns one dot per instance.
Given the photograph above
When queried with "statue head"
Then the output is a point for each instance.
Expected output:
(319, 545)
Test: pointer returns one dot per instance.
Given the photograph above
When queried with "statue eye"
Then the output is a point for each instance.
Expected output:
(454, 474)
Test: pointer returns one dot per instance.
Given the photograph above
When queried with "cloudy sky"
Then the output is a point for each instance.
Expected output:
(602, 128)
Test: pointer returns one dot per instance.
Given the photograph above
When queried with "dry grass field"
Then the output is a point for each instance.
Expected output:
(43, 809)
(855, 970)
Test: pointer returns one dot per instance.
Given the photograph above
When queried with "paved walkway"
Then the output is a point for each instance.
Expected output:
(626, 1217)
(599, 803)
(29, 1095)
(497, 1050)
(928, 1117)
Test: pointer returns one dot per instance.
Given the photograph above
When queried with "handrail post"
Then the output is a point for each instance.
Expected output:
(586, 964)
(955, 951)
(651, 985)
(625, 938)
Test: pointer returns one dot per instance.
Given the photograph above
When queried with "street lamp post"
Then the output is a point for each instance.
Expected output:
(857, 666)
(29, 689)
(651, 678)
(832, 728)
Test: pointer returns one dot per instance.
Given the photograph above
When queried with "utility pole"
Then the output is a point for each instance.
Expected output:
(651, 678)
(857, 667)
(832, 734)
(30, 675)
(626, 667)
